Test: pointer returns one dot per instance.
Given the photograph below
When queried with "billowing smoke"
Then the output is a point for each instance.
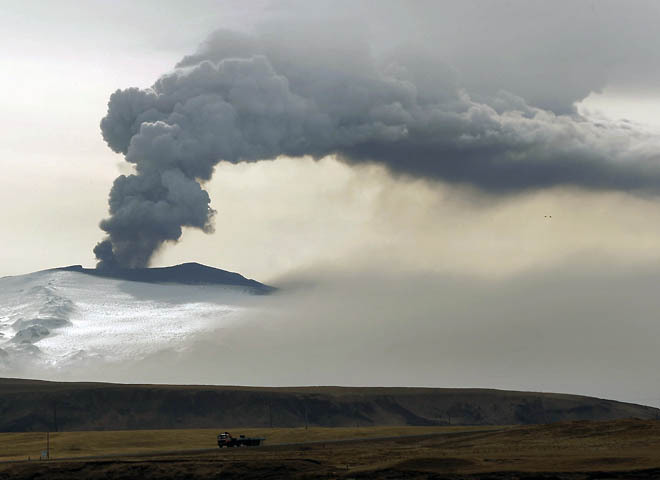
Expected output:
(249, 98)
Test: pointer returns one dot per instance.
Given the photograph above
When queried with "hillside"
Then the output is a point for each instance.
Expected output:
(31, 405)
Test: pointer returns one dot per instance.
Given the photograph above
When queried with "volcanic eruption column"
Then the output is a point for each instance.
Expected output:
(241, 98)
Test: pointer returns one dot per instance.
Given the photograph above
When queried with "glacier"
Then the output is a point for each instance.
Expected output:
(54, 318)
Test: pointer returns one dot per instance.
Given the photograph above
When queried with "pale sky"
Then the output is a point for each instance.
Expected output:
(278, 219)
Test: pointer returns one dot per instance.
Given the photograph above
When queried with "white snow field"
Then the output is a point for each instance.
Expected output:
(52, 319)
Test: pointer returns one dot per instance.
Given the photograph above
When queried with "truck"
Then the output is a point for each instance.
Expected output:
(226, 440)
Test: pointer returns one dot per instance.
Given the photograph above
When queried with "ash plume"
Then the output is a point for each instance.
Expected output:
(250, 98)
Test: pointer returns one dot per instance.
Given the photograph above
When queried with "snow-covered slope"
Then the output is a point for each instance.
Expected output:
(55, 317)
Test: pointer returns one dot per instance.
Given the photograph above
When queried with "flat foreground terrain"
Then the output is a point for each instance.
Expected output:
(20, 446)
(570, 450)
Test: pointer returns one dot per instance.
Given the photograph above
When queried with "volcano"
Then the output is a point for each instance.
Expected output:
(63, 316)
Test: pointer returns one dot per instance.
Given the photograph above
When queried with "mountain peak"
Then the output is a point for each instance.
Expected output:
(190, 273)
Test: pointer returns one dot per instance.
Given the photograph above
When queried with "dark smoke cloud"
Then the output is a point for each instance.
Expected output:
(249, 98)
(552, 54)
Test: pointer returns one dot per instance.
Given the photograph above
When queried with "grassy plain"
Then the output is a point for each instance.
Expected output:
(20, 446)
(623, 449)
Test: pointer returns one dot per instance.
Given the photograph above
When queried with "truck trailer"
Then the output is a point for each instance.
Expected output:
(225, 440)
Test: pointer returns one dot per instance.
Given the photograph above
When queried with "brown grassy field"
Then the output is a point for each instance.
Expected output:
(19, 446)
(582, 450)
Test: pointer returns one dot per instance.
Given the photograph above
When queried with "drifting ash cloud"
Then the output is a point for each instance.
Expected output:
(249, 98)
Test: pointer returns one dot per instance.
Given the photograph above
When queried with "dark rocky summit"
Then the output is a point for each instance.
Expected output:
(186, 273)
